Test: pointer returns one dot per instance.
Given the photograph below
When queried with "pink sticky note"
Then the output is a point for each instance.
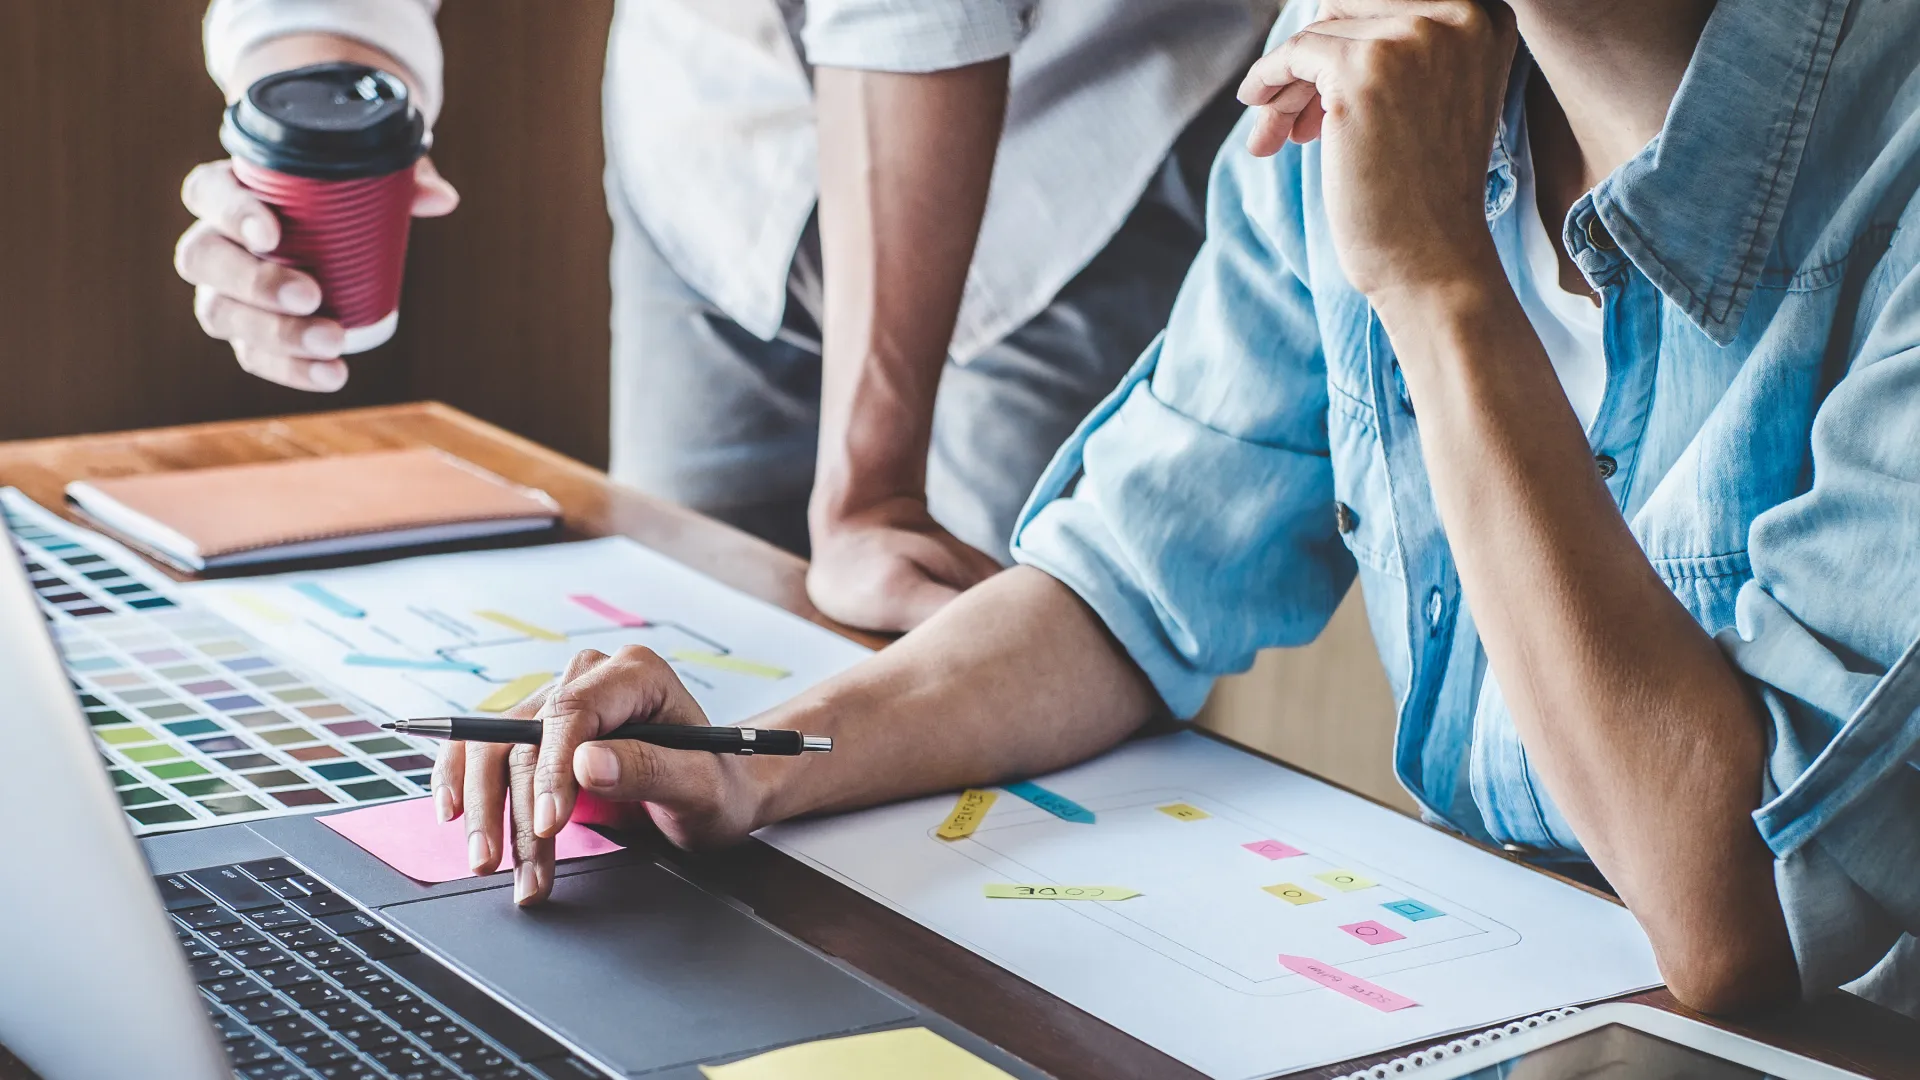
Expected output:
(1374, 933)
(408, 837)
(1340, 982)
(607, 611)
(1273, 849)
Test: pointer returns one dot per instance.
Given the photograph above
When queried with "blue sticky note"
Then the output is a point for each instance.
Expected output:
(1412, 910)
(333, 602)
(1052, 802)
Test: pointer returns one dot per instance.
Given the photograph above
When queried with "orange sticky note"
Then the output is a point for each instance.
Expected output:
(408, 837)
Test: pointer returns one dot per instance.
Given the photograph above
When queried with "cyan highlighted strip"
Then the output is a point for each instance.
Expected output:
(409, 664)
(332, 602)
(1052, 802)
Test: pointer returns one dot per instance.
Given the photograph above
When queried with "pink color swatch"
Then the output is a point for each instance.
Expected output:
(1273, 849)
(1374, 933)
(1340, 982)
(408, 837)
(608, 612)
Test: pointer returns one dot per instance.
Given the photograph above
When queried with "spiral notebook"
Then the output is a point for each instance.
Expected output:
(1433, 1055)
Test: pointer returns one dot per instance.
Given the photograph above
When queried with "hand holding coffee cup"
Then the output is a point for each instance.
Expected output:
(298, 253)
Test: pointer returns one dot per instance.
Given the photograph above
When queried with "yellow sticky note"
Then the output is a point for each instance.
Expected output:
(260, 607)
(1059, 892)
(1183, 811)
(514, 692)
(879, 1055)
(972, 805)
(1346, 880)
(723, 662)
(521, 626)
(1292, 894)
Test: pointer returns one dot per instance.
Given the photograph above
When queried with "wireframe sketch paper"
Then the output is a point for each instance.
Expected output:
(479, 632)
(1279, 923)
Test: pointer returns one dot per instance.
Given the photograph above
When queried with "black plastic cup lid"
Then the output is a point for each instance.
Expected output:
(328, 121)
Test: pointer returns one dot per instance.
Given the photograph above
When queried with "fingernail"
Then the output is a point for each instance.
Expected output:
(324, 341)
(257, 233)
(478, 851)
(327, 376)
(523, 883)
(601, 765)
(443, 803)
(300, 297)
(546, 813)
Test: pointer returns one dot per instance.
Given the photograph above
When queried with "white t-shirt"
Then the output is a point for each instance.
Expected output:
(1568, 323)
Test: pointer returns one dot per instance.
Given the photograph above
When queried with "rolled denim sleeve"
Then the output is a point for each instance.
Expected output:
(1829, 630)
(403, 29)
(913, 36)
(1193, 511)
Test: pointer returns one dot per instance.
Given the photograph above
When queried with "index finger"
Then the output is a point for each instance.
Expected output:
(213, 194)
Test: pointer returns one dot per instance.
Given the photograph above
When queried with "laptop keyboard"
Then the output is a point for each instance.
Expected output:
(302, 982)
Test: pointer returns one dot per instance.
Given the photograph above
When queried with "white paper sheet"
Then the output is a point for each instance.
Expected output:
(466, 632)
(1190, 966)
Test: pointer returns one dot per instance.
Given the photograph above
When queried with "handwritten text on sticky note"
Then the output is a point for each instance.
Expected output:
(1273, 849)
(1052, 802)
(1059, 892)
(1352, 986)
(972, 805)
(1346, 880)
(1183, 812)
(1292, 894)
(1374, 933)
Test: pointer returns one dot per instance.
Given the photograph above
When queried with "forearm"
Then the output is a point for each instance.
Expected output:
(1648, 740)
(905, 164)
(1015, 678)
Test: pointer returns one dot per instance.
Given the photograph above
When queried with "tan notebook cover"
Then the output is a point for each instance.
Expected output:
(204, 517)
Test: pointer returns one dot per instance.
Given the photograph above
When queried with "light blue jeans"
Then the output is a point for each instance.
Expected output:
(707, 415)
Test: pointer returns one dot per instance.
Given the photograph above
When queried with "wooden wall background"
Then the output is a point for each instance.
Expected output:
(109, 105)
(505, 312)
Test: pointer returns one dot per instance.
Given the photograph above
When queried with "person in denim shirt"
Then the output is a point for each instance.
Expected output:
(1674, 637)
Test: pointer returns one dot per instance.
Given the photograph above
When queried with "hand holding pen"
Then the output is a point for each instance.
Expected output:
(695, 799)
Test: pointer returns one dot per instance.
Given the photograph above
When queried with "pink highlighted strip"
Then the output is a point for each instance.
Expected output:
(1273, 849)
(1340, 982)
(608, 612)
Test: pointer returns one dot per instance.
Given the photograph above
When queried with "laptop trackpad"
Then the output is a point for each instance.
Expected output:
(643, 970)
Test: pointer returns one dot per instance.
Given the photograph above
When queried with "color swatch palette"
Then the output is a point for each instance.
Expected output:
(197, 722)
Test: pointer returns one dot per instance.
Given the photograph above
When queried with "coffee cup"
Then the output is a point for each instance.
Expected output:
(331, 149)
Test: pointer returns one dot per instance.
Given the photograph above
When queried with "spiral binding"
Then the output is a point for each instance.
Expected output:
(1433, 1055)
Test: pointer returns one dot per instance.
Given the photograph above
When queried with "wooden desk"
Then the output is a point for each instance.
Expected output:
(916, 962)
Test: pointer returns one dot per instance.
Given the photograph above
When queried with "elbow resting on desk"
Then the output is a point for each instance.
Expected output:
(1725, 976)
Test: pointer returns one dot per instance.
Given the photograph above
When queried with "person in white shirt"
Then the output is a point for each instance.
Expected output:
(873, 259)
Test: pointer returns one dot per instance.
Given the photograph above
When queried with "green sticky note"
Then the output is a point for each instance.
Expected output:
(1059, 892)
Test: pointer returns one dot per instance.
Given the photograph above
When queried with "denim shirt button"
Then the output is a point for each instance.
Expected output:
(1436, 607)
(1606, 465)
(1344, 518)
(1599, 237)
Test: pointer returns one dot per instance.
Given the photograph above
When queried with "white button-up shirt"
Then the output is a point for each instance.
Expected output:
(711, 126)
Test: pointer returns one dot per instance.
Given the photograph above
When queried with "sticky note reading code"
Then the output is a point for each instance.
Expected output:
(1346, 880)
(972, 805)
(1374, 933)
(1273, 849)
(1052, 802)
(1183, 812)
(1293, 894)
(1059, 892)
(1352, 986)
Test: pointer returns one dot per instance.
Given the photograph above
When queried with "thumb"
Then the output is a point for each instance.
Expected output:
(433, 196)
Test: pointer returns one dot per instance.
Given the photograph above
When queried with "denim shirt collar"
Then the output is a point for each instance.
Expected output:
(1696, 210)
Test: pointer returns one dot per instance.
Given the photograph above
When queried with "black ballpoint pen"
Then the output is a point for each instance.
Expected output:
(716, 740)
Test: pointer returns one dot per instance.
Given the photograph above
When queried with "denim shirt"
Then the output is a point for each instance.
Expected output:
(1760, 432)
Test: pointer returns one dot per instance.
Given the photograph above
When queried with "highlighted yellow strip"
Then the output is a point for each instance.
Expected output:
(260, 607)
(520, 625)
(514, 692)
(1059, 892)
(967, 812)
(1292, 894)
(1183, 812)
(1346, 880)
(879, 1055)
(723, 662)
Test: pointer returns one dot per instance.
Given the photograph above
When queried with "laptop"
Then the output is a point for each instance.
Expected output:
(277, 948)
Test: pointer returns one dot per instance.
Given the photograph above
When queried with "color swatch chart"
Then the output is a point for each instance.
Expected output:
(196, 721)
(480, 632)
(1222, 893)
